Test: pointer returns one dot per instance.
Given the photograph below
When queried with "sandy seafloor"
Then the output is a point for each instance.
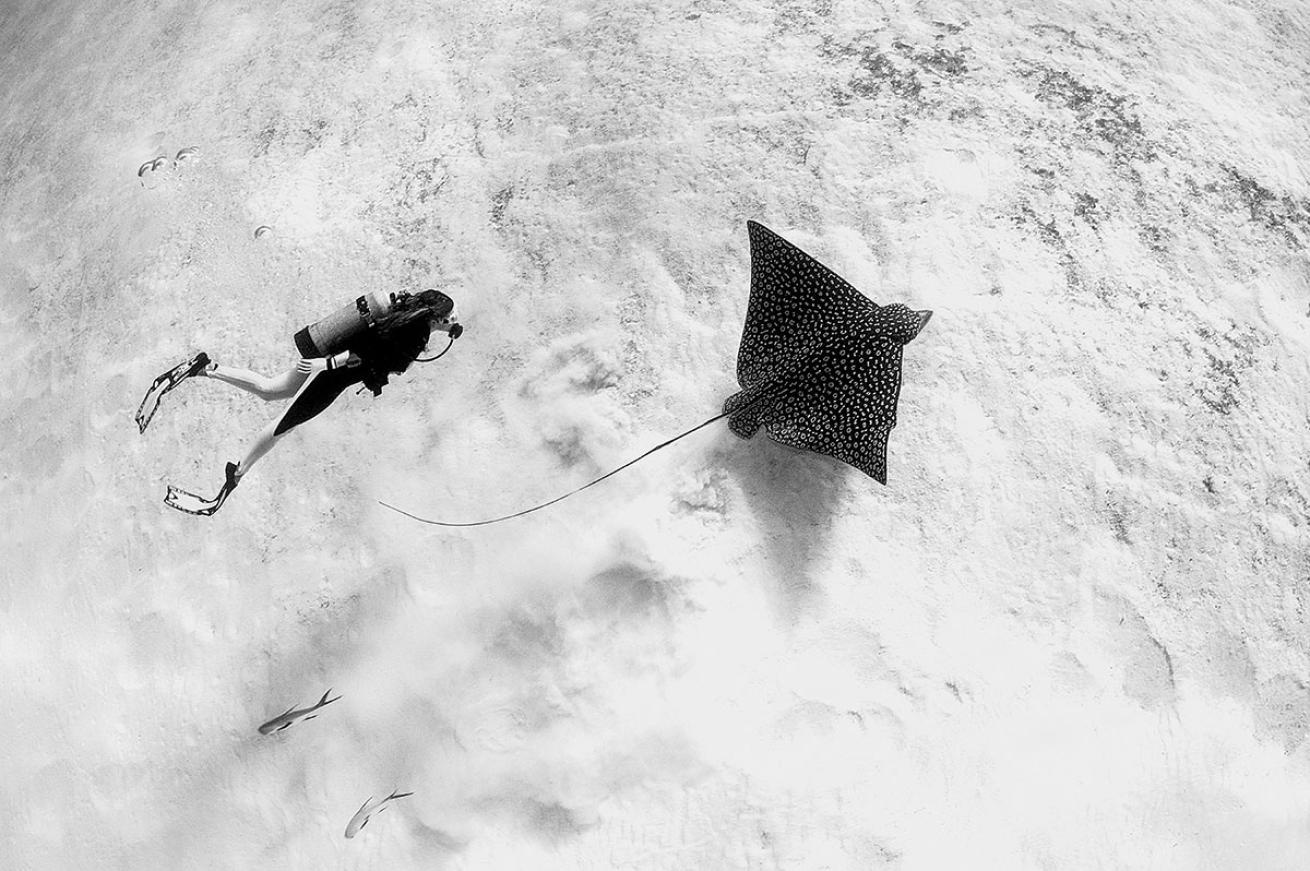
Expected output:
(1071, 632)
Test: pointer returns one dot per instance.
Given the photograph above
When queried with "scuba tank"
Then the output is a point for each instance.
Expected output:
(331, 334)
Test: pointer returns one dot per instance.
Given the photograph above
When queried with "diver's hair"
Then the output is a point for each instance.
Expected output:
(410, 307)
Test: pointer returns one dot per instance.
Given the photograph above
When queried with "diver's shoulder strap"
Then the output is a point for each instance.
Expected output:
(365, 312)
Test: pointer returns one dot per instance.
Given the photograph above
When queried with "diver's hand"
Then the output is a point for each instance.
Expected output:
(310, 365)
(345, 358)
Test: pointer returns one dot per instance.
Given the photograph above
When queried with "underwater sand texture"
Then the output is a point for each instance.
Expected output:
(1070, 634)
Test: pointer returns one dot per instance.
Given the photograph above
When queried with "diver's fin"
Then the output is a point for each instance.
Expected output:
(191, 503)
(164, 383)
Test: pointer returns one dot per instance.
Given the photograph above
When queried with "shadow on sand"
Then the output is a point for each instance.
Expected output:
(792, 494)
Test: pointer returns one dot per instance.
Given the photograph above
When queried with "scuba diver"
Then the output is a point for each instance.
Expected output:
(364, 343)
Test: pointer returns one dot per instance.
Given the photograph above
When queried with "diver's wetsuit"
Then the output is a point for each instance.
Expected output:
(320, 391)
(379, 357)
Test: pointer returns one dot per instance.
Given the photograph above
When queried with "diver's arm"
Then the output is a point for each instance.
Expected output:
(310, 365)
(348, 359)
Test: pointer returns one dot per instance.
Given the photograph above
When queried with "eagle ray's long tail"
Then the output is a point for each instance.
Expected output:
(592, 483)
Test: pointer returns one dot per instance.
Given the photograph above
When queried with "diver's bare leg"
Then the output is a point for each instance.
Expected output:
(264, 443)
(282, 386)
(271, 434)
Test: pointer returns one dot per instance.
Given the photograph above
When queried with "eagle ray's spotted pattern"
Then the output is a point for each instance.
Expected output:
(819, 362)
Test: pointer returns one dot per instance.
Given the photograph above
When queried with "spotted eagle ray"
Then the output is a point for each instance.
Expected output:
(819, 365)
(819, 362)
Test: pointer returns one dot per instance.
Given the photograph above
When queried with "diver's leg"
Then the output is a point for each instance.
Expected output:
(264, 442)
(318, 392)
(282, 386)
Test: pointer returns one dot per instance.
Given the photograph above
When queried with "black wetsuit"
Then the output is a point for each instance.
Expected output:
(380, 356)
